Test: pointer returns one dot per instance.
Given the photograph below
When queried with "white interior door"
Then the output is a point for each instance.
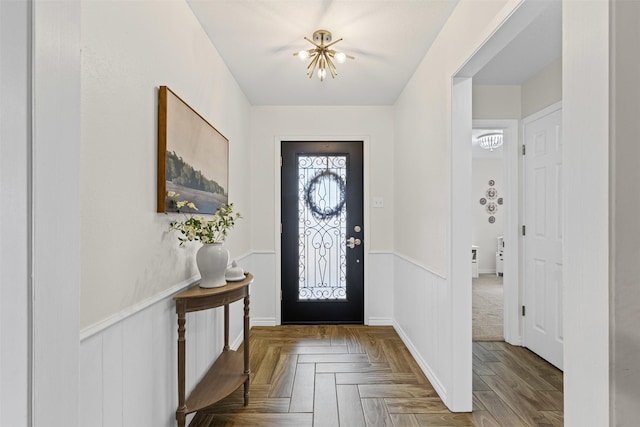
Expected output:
(543, 216)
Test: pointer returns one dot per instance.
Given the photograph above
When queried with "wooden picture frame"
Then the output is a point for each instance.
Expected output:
(193, 157)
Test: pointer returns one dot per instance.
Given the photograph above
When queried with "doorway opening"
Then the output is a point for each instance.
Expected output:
(487, 234)
(498, 264)
(496, 46)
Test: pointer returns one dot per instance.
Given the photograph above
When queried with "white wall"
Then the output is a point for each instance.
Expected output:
(423, 136)
(543, 89)
(517, 102)
(497, 102)
(375, 125)
(483, 233)
(128, 50)
(56, 213)
(15, 153)
(130, 264)
(625, 211)
(269, 123)
(585, 120)
(423, 189)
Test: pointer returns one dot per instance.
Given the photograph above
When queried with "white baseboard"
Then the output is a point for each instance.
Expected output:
(263, 321)
(516, 341)
(433, 379)
(235, 344)
(380, 321)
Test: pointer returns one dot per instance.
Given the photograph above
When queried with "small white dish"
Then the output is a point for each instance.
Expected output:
(234, 273)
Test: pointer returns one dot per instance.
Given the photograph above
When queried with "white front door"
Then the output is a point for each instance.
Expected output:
(543, 219)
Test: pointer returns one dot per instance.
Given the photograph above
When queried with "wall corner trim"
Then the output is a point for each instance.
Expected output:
(419, 265)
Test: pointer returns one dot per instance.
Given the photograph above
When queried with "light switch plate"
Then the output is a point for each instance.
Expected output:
(378, 202)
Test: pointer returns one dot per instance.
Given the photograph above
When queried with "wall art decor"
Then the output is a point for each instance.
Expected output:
(491, 206)
(193, 157)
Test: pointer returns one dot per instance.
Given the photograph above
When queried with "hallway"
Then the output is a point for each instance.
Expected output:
(352, 375)
(487, 314)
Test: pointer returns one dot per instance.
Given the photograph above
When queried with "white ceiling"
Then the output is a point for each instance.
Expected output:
(535, 47)
(257, 38)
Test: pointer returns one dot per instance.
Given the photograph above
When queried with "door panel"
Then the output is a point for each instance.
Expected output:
(543, 241)
(322, 232)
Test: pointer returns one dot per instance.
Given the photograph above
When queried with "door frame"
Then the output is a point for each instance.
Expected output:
(278, 211)
(512, 279)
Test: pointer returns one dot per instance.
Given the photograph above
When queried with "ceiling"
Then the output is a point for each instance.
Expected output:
(389, 38)
(535, 47)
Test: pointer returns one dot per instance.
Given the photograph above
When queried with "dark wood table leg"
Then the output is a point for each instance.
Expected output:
(247, 368)
(181, 412)
(226, 327)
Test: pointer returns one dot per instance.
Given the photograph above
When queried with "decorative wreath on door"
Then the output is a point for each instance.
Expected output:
(325, 178)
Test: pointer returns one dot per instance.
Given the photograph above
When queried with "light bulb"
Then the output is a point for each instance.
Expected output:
(341, 57)
(303, 54)
(322, 73)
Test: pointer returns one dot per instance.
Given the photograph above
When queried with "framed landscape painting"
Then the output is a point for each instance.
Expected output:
(193, 157)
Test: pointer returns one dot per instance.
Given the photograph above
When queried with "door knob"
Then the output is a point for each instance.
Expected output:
(352, 242)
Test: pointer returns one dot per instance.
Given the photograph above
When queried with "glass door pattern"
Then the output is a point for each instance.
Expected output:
(322, 227)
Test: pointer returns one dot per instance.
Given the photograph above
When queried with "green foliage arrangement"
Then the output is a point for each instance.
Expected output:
(197, 227)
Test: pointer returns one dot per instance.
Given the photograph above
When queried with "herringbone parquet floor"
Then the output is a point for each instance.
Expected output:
(349, 376)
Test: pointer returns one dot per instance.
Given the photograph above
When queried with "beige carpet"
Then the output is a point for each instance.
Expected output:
(487, 308)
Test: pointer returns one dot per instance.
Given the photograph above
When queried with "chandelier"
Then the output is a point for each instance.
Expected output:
(490, 141)
(322, 55)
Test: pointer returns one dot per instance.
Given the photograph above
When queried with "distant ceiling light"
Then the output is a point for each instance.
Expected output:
(322, 55)
(490, 141)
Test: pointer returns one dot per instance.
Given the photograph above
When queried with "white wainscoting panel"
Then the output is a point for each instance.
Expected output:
(112, 378)
(137, 368)
(128, 370)
(163, 337)
(421, 304)
(379, 289)
(91, 391)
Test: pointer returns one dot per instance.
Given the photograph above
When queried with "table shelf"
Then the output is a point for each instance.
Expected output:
(223, 378)
(231, 369)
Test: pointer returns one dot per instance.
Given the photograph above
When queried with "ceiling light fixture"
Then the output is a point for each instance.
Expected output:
(490, 141)
(322, 55)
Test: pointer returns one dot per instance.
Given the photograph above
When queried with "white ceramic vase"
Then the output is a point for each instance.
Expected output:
(212, 260)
